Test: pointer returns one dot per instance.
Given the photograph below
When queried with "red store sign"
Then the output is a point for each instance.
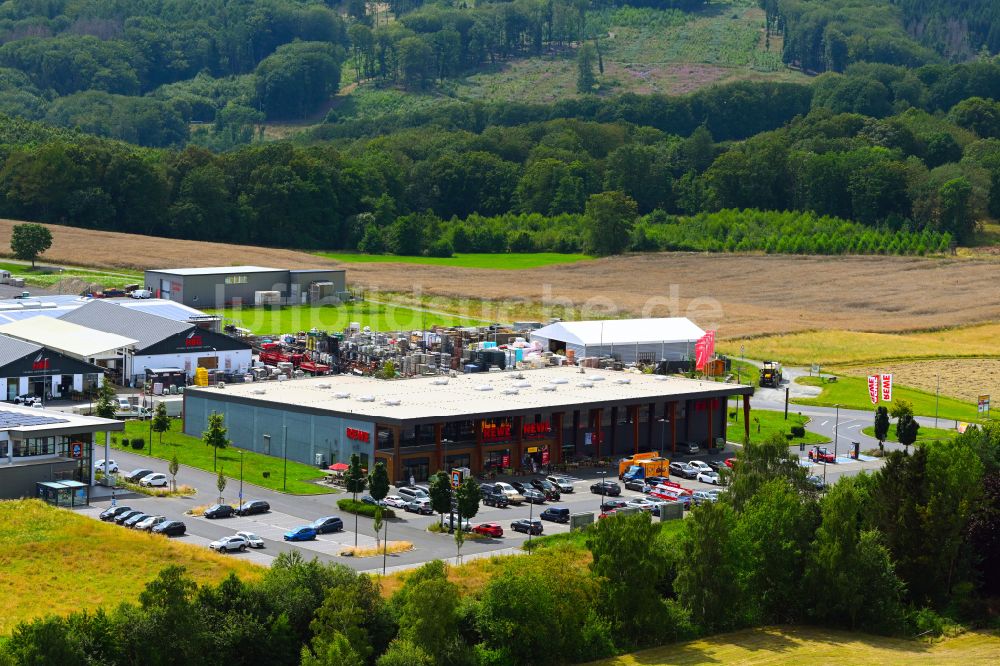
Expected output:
(540, 429)
(358, 435)
(193, 341)
(496, 432)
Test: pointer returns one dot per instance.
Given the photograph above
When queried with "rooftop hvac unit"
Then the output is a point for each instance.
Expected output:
(509, 391)
(440, 382)
(595, 378)
(392, 402)
(484, 387)
(322, 386)
(366, 398)
(549, 388)
(559, 380)
(586, 384)
(341, 396)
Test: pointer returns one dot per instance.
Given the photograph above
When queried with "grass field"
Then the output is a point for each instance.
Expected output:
(926, 435)
(765, 422)
(191, 451)
(779, 646)
(840, 347)
(852, 393)
(57, 561)
(379, 316)
(37, 277)
(962, 378)
(489, 261)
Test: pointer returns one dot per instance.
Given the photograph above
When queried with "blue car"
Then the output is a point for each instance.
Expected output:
(304, 533)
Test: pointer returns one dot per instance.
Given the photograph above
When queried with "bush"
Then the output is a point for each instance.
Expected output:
(798, 431)
(351, 506)
(138, 443)
(124, 442)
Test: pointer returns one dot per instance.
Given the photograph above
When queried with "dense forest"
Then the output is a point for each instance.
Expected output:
(908, 550)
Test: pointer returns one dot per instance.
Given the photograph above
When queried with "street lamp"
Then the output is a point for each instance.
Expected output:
(241, 479)
(663, 432)
(284, 454)
(604, 488)
(531, 517)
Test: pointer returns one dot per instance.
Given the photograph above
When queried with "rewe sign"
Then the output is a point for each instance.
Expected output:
(880, 386)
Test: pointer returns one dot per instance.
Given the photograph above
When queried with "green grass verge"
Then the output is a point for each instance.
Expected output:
(852, 393)
(58, 561)
(926, 434)
(379, 316)
(33, 277)
(192, 452)
(766, 422)
(351, 506)
(491, 261)
(577, 540)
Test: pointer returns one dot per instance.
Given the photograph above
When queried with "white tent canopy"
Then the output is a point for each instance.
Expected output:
(70, 339)
(668, 338)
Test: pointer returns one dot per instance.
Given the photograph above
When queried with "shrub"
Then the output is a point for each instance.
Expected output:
(138, 443)
(124, 442)
(798, 431)
(351, 506)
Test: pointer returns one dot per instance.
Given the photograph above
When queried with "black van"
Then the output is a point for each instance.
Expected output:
(557, 514)
(493, 496)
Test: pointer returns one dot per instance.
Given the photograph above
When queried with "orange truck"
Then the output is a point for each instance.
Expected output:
(642, 466)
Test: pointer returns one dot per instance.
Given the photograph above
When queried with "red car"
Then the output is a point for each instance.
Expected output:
(606, 514)
(488, 529)
(730, 462)
(821, 454)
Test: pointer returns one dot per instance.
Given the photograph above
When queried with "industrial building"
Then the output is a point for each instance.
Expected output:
(481, 421)
(56, 305)
(246, 286)
(31, 369)
(162, 343)
(48, 454)
(627, 340)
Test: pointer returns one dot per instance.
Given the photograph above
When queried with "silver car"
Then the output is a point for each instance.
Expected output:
(229, 544)
(564, 484)
(252, 539)
(150, 523)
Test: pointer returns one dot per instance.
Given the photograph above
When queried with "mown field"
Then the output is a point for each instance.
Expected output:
(57, 561)
(766, 422)
(852, 393)
(776, 646)
(927, 434)
(962, 378)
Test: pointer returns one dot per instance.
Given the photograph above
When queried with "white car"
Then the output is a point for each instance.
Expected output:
(700, 466)
(252, 539)
(229, 544)
(640, 503)
(112, 466)
(150, 523)
(564, 483)
(141, 293)
(448, 521)
(154, 480)
(395, 502)
(510, 491)
(710, 476)
(700, 496)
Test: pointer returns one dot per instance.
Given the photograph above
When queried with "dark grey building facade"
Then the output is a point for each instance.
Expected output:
(241, 285)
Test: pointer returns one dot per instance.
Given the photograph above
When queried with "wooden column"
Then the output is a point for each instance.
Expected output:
(397, 468)
(634, 409)
(746, 418)
(438, 459)
(673, 428)
(555, 457)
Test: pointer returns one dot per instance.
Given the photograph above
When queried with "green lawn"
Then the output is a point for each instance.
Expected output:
(191, 451)
(765, 422)
(34, 277)
(926, 434)
(493, 261)
(852, 393)
(379, 316)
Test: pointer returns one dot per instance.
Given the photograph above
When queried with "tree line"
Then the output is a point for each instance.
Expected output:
(909, 550)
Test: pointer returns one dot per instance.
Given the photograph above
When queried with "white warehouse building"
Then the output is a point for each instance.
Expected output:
(629, 340)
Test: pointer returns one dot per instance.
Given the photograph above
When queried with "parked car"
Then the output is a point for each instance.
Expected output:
(135, 475)
(683, 470)
(27, 400)
(394, 502)
(219, 511)
(495, 498)
(606, 514)
(513, 496)
(170, 528)
(136, 519)
(638, 485)
(125, 515)
(550, 489)
(700, 496)
(229, 544)
(154, 480)
(817, 482)
(614, 503)
(717, 465)
(730, 462)
(822, 454)
(488, 529)
(252, 539)
(690, 448)
(141, 293)
(252, 507)
(304, 533)
(700, 465)
(451, 522)
(564, 483)
(527, 526)
(113, 512)
(653, 481)
(557, 514)
(328, 524)
(150, 522)
(421, 505)
(409, 493)
(532, 496)
(609, 488)
(640, 503)
(368, 499)
(709, 477)
(112, 466)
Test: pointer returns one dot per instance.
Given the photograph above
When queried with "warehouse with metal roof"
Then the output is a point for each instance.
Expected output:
(220, 286)
(628, 340)
(480, 421)
(28, 369)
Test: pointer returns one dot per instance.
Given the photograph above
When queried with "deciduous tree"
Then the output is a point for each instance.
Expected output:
(27, 241)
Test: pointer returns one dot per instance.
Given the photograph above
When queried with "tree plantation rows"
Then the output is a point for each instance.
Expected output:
(908, 550)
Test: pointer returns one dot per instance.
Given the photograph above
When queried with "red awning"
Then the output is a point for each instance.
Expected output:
(339, 467)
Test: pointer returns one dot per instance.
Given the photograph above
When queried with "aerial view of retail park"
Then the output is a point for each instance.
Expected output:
(341, 333)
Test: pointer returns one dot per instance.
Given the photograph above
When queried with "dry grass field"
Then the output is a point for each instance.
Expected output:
(778, 646)
(964, 379)
(57, 561)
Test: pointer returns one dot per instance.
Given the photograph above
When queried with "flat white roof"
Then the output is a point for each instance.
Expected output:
(216, 270)
(28, 421)
(426, 399)
(621, 331)
(66, 337)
